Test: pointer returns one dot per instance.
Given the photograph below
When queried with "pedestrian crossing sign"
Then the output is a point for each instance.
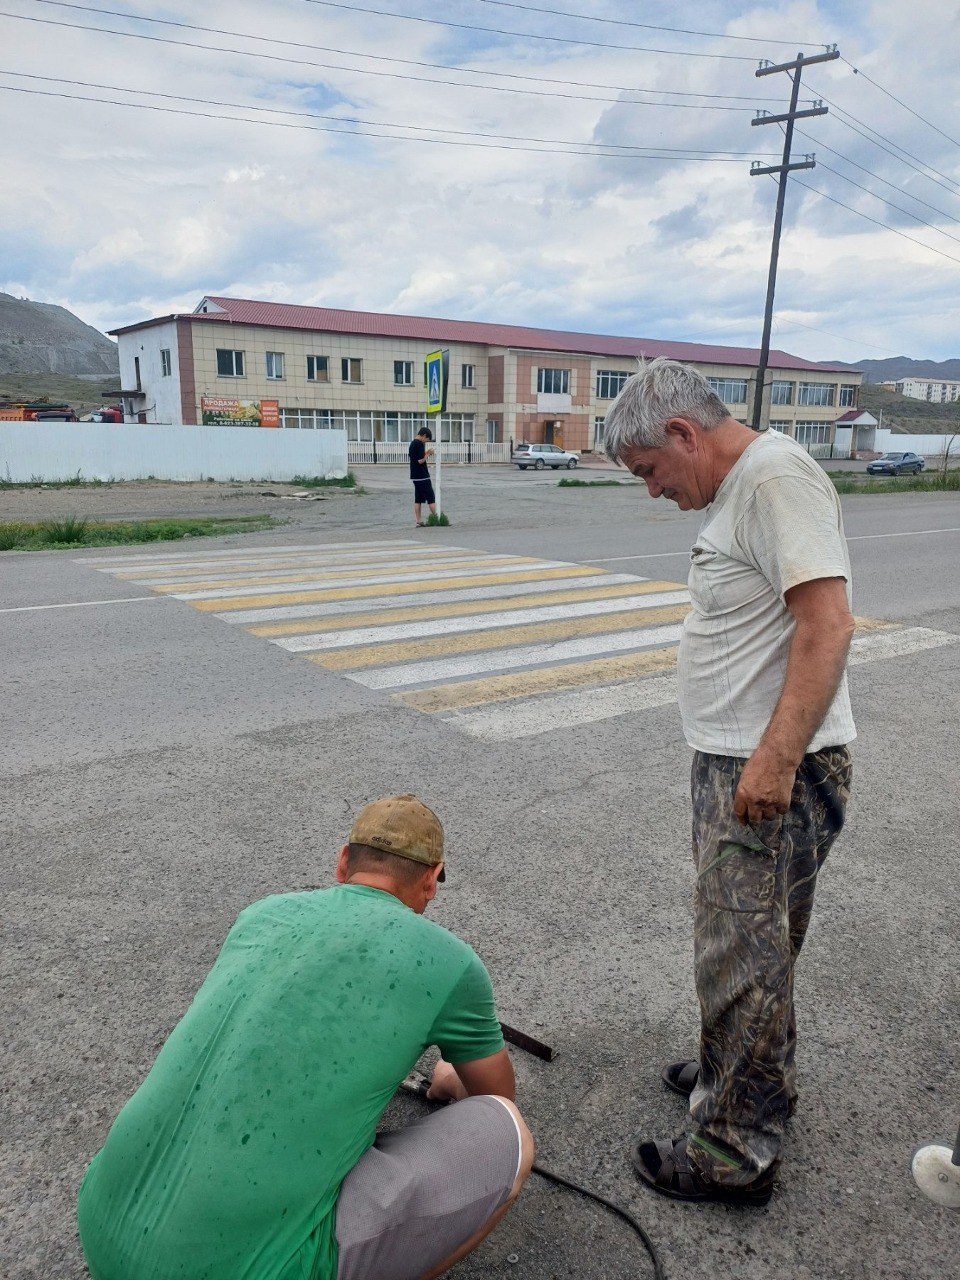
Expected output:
(436, 367)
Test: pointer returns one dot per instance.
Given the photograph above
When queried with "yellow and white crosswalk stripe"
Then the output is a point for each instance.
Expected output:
(498, 646)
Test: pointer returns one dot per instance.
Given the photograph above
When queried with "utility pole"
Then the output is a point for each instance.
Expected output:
(756, 169)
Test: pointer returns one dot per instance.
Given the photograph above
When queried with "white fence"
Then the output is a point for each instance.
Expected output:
(928, 446)
(366, 452)
(108, 451)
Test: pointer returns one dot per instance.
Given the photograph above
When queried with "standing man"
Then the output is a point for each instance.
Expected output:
(764, 703)
(250, 1152)
(420, 475)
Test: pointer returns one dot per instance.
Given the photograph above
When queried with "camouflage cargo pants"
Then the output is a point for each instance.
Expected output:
(752, 904)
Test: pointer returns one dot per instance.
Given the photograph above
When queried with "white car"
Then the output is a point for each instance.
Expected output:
(539, 456)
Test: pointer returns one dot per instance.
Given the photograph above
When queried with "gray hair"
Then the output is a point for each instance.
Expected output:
(662, 390)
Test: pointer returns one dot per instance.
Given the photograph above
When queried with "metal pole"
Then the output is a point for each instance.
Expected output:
(439, 455)
(775, 251)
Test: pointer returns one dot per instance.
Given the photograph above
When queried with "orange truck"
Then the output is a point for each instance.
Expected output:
(40, 411)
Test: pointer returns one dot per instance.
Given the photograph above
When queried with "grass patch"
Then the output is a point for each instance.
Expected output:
(80, 532)
(929, 482)
(587, 484)
(349, 481)
(433, 520)
(72, 482)
(70, 532)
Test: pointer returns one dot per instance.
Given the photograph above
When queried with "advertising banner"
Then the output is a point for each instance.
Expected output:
(225, 411)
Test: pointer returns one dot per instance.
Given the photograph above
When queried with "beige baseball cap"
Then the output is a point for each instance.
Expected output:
(402, 825)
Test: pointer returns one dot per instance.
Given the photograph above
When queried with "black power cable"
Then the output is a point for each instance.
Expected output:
(614, 1208)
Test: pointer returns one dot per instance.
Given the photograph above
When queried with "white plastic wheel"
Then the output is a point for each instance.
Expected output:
(937, 1176)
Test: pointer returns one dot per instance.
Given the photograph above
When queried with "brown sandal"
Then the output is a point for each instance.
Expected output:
(665, 1167)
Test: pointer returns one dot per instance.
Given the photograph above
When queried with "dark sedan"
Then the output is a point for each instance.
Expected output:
(896, 464)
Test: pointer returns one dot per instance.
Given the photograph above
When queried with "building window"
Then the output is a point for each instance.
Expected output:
(466, 376)
(814, 433)
(730, 390)
(816, 393)
(610, 383)
(848, 397)
(782, 427)
(317, 419)
(351, 370)
(554, 382)
(166, 365)
(781, 392)
(598, 425)
(274, 364)
(402, 374)
(317, 369)
(229, 363)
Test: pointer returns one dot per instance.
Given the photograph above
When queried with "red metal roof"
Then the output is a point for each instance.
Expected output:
(378, 324)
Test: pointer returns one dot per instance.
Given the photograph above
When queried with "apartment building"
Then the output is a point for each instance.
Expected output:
(266, 364)
(933, 390)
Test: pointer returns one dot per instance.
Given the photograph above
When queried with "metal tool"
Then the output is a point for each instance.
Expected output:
(522, 1041)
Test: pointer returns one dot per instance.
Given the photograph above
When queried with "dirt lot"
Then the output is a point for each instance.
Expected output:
(151, 499)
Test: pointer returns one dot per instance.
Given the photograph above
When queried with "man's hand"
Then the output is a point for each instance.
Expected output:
(446, 1085)
(766, 785)
(818, 654)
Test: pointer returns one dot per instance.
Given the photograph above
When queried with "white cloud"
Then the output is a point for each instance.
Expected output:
(119, 212)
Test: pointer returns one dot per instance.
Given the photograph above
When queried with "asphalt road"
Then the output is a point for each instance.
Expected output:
(163, 768)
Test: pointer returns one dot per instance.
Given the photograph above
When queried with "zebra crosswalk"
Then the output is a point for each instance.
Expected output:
(498, 646)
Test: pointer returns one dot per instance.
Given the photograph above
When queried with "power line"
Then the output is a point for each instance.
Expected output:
(893, 97)
(408, 62)
(332, 66)
(847, 160)
(527, 35)
(796, 324)
(647, 26)
(661, 152)
(845, 117)
(898, 208)
(283, 124)
(876, 222)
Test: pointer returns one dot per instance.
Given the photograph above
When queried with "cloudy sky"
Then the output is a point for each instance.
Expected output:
(544, 162)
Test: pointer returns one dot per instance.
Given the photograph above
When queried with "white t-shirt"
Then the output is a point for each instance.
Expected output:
(775, 522)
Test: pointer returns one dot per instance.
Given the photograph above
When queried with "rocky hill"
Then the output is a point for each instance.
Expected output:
(897, 367)
(36, 337)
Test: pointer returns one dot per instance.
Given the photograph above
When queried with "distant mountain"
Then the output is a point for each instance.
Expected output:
(36, 337)
(897, 367)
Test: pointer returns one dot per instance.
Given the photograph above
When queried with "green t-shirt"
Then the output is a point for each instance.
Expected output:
(227, 1162)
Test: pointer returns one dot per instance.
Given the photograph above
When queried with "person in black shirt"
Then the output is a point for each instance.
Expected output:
(420, 475)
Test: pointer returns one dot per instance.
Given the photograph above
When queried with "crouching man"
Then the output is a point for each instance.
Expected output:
(250, 1152)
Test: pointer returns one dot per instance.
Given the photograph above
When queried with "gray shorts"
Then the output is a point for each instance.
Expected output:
(417, 1195)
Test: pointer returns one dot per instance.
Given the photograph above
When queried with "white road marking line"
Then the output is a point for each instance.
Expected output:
(566, 710)
(905, 533)
(853, 537)
(78, 604)
(897, 644)
(506, 659)
(190, 557)
(476, 622)
(327, 584)
(285, 613)
(649, 555)
(161, 575)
